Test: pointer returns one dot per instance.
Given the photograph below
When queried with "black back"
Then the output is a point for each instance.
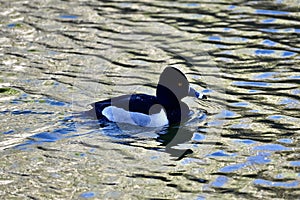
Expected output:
(141, 103)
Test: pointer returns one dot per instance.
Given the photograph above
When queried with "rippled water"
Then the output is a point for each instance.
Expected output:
(59, 56)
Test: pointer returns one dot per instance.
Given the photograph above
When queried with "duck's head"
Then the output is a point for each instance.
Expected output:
(173, 86)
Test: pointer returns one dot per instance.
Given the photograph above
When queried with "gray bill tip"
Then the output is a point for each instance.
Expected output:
(194, 93)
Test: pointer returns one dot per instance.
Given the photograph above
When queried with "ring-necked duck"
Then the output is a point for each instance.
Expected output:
(151, 111)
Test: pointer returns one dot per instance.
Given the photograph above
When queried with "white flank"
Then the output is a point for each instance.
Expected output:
(119, 115)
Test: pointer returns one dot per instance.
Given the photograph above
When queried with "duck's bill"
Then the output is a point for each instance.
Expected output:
(194, 93)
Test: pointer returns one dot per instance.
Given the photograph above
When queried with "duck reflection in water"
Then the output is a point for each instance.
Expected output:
(170, 137)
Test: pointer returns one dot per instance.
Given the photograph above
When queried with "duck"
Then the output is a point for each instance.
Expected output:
(166, 108)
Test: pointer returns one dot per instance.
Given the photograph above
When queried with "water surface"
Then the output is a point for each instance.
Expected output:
(58, 56)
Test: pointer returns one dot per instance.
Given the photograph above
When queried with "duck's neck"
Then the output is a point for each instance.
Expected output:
(178, 114)
(166, 97)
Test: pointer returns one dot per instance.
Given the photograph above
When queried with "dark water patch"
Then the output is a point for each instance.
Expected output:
(272, 147)
(220, 154)
(266, 183)
(9, 132)
(295, 163)
(66, 16)
(219, 181)
(271, 12)
(27, 112)
(164, 179)
(87, 195)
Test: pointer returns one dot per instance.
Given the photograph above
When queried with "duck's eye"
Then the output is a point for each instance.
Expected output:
(179, 84)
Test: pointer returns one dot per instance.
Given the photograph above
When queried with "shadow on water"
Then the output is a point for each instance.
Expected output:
(168, 138)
